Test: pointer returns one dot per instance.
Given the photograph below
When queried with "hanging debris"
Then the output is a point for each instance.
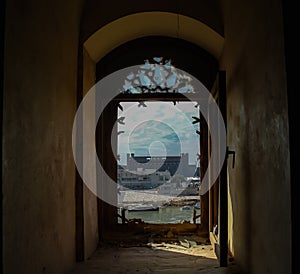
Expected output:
(120, 107)
(121, 120)
(142, 104)
(197, 120)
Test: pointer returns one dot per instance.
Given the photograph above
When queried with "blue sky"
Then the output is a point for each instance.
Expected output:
(160, 129)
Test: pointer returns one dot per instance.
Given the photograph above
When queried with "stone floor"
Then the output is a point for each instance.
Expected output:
(154, 258)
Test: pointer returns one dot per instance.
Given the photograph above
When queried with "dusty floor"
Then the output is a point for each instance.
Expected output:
(154, 258)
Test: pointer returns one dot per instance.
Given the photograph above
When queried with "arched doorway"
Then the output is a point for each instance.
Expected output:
(204, 64)
(184, 55)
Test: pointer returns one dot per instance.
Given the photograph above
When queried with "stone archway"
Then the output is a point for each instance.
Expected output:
(153, 23)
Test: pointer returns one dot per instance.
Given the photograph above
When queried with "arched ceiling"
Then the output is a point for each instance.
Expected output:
(144, 24)
(97, 13)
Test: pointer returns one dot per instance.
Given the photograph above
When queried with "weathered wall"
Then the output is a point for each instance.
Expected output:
(39, 105)
(253, 58)
(89, 199)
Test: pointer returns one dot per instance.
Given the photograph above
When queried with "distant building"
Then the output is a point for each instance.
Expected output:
(173, 164)
(142, 179)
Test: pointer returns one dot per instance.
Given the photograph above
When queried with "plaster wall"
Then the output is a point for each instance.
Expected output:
(257, 115)
(41, 42)
(89, 165)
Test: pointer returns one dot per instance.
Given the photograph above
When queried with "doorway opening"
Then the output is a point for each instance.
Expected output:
(158, 162)
(201, 66)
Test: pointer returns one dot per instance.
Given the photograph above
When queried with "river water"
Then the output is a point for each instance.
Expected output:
(165, 214)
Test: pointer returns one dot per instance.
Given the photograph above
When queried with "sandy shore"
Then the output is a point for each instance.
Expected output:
(126, 197)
